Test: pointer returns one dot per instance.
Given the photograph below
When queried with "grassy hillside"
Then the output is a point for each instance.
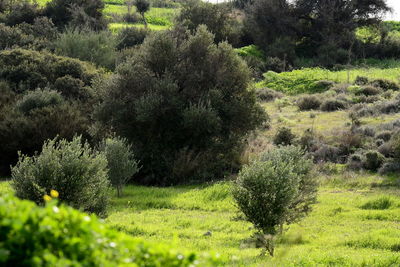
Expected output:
(354, 223)
(157, 18)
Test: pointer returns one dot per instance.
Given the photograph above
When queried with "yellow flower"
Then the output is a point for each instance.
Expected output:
(54, 193)
(47, 198)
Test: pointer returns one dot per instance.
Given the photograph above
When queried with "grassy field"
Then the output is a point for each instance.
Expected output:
(354, 223)
(157, 18)
(300, 81)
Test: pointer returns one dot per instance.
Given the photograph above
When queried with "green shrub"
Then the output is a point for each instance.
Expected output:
(385, 84)
(38, 99)
(333, 104)
(169, 99)
(310, 102)
(120, 161)
(217, 18)
(61, 236)
(380, 203)
(369, 91)
(361, 80)
(284, 136)
(28, 70)
(27, 132)
(267, 95)
(130, 37)
(72, 88)
(384, 135)
(88, 13)
(276, 190)
(96, 47)
(76, 171)
(373, 160)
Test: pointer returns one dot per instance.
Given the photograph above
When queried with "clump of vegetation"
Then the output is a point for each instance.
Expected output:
(76, 13)
(75, 170)
(130, 37)
(380, 203)
(169, 101)
(120, 161)
(333, 104)
(96, 47)
(369, 91)
(373, 160)
(284, 137)
(267, 95)
(38, 99)
(70, 237)
(275, 190)
(310, 102)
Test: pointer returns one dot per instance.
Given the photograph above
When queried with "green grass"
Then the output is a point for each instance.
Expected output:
(302, 81)
(339, 232)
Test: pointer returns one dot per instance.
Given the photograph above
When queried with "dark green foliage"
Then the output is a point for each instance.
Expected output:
(72, 88)
(142, 6)
(120, 161)
(384, 135)
(26, 133)
(309, 102)
(61, 236)
(217, 18)
(38, 35)
(380, 203)
(21, 11)
(369, 91)
(267, 95)
(96, 47)
(284, 137)
(78, 13)
(319, 29)
(182, 100)
(27, 70)
(130, 37)
(278, 189)
(38, 99)
(361, 80)
(333, 104)
(385, 84)
(73, 169)
(373, 160)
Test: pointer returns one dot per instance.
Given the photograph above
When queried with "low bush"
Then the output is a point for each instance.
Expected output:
(333, 105)
(38, 99)
(384, 135)
(61, 236)
(130, 37)
(385, 84)
(390, 167)
(355, 161)
(275, 190)
(27, 132)
(327, 153)
(75, 170)
(120, 161)
(310, 102)
(267, 95)
(96, 47)
(28, 70)
(373, 160)
(361, 80)
(369, 91)
(284, 136)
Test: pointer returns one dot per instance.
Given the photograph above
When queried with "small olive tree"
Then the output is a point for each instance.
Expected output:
(75, 170)
(142, 6)
(121, 161)
(275, 190)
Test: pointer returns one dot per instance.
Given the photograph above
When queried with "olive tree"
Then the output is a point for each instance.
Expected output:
(275, 190)
(184, 105)
(121, 161)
